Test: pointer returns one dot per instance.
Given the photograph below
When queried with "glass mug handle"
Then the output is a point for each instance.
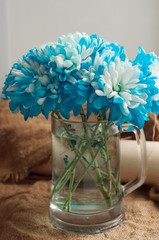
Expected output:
(142, 157)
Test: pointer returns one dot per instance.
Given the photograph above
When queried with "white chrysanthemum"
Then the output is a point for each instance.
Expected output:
(154, 68)
(122, 85)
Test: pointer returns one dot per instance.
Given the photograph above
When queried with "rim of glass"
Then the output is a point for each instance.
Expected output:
(70, 121)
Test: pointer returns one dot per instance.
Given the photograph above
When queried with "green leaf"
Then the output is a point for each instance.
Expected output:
(73, 143)
(66, 160)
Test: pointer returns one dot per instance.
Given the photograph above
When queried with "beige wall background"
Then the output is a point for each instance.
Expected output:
(25, 24)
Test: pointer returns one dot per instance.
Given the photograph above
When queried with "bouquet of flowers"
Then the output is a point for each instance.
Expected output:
(82, 69)
(79, 69)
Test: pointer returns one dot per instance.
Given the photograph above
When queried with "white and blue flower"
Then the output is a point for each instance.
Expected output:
(148, 63)
(74, 52)
(31, 87)
(122, 90)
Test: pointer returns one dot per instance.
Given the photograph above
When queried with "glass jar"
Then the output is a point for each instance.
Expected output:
(86, 187)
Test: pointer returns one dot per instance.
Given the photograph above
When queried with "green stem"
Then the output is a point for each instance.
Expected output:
(84, 121)
(116, 183)
(71, 166)
(68, 201)
(84, 172)
(107, 162)
(99, 175)
(70, 189)
(67, 205)
(101, 183)
(74, 162)
(90, 174)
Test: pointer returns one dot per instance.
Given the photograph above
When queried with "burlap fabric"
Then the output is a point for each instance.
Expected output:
(24, 215)
(23, 145)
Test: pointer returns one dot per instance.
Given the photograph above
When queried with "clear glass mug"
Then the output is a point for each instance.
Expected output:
(86, 189)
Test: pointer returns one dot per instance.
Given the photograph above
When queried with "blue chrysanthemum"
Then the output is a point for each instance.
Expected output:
(74, 52)
(154, 68)
(122, 92)
(31, 87)
(91, 75)
(149, 66)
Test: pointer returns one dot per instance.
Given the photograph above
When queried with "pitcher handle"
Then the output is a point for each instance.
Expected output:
(142, 157)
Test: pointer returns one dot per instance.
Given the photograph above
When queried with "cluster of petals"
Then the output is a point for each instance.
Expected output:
(80, 69)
